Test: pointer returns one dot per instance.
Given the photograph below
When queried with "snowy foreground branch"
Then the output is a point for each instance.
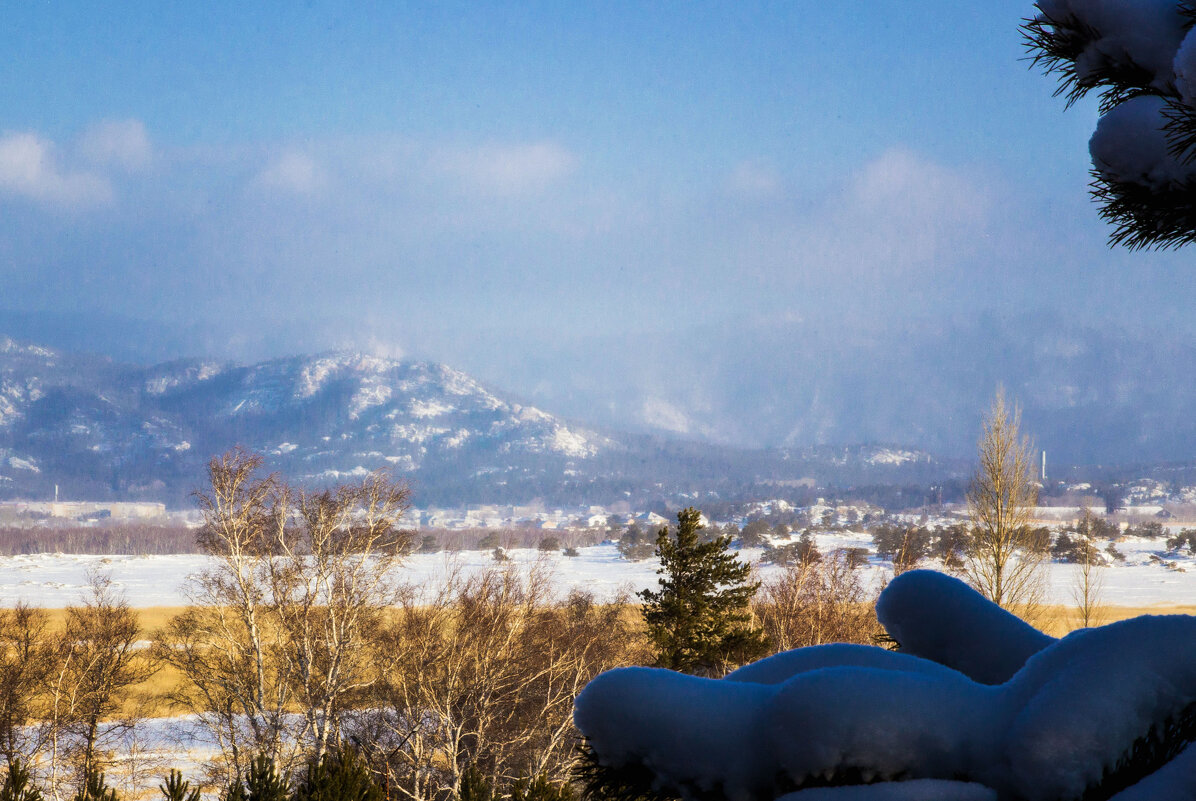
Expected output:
(977, 705)
(1140, 58)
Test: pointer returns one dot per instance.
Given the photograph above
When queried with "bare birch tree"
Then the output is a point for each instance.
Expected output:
(1004, 560)
(1089, 579)
(331, 581)
(276, 643)
(224, 644)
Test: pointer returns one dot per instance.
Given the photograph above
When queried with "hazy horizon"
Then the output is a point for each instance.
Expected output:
(537, 194)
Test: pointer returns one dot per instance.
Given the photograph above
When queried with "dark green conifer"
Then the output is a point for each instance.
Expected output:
(698, 619)
(175, 789)
(340, 776)
(541, 789)
(474, 786)
(95, 788)
(263, 782)
(18, 786)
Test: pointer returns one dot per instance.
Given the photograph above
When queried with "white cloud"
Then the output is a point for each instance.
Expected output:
(899, 214)
(754, 180)
(117, 143)
(29, 169)
(292, 171)
(510, 169)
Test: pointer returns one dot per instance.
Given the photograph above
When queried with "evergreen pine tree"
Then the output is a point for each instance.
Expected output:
(340, 776)
(95, 788)
(175, 789)
(698, 619)
(263, 782)
(474, 786)
(17, 785)
(234, 792)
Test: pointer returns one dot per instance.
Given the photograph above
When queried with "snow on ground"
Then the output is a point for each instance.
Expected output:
(55, 580)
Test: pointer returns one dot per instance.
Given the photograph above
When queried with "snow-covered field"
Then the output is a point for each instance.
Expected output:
(56, 580)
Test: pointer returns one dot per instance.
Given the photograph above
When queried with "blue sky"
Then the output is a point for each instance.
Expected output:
(463, 181)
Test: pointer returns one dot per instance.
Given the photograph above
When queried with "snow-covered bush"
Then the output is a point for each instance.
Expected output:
(977, 705)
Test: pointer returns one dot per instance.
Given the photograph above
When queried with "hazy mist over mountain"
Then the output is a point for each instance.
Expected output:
(751, 224)
(1090, 393)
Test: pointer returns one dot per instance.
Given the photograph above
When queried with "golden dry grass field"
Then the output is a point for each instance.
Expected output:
(147, 697)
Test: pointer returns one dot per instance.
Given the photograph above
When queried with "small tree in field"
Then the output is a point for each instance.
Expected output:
(1003, 559)
(699, 619)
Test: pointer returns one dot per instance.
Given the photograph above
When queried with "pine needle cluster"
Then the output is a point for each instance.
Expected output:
(1141, 214)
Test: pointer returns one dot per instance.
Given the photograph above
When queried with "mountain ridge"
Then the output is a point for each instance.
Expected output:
(123, 431)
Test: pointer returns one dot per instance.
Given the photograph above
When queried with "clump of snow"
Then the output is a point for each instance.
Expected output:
(913, 790)
(939, 617)
(739, 738)
(853, 714)
(1175, 781)
(787, 664)
(1065, 733)
(1185, 69)
(313, 376)
(892, 456)
(530, 414)
(371, 393)
(9, 345)
(1122, 36)
(1130, 146)
(693, 732)
(416, 434)
(160, 385)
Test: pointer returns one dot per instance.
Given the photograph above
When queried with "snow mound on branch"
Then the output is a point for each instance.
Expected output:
(1064, 736)
(1185, 69)
(881, 724)
(1175, 781)
(940, 618)
(854, 715)
(787, 664)
(1130, 146)
(692, 733)
(915, 790)
(1140, 35)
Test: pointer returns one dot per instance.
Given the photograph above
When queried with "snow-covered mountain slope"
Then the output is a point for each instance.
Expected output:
(67, 418)
(101, 429)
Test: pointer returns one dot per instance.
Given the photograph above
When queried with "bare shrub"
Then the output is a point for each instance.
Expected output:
(28, 658)
(480, 673)
(97, 662)
(815, 602)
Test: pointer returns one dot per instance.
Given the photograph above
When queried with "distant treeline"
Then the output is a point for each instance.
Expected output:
(139, 539)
